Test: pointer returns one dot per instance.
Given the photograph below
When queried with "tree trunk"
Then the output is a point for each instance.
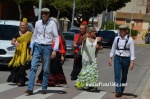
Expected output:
(58, 14)
(20, 11)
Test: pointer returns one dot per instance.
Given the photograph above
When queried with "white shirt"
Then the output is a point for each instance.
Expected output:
(125, 53)
(44, 34)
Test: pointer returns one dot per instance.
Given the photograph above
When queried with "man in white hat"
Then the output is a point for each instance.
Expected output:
(123, 52)
(45, 31)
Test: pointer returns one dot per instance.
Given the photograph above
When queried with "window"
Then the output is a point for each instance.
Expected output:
(68, 36)
(8, 32)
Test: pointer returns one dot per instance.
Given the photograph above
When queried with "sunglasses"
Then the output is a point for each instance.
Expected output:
(44, 13)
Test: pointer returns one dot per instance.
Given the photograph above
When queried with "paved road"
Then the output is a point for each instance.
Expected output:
(137, 79)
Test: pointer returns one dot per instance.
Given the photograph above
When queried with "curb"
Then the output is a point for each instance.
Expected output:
(144, 86)
(146, 90)
(142, 44)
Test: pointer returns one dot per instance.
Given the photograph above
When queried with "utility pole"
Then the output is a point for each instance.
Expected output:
(106, 15)
(73, 11)
(105, 18)
(131, 19)
(93, 14)
(115, 22)
(40, 5)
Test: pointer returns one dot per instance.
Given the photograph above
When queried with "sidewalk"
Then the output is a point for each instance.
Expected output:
(145, 94)
(139, 42)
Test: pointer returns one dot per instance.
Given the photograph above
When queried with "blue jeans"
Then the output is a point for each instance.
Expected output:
(121, 66)
(44, 52)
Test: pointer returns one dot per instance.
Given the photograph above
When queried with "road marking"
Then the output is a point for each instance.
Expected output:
(39, 95)
(6, 86)
(90, 95)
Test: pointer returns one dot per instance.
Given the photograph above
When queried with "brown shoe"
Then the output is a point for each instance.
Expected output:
(118, 94)
(29, 92)
(20, 84)
(43, 92)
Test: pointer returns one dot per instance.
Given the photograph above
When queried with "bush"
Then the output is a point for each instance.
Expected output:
(134, 32)
(110, 26)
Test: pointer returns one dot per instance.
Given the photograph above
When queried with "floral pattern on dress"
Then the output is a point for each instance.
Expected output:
(89, 72)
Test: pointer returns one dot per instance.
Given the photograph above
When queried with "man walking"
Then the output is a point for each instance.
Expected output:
(45, 31)
(123, 52)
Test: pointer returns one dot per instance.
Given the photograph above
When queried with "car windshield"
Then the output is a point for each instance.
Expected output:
(7, 32)
(74, 30)
(106, 34)
(68, 36)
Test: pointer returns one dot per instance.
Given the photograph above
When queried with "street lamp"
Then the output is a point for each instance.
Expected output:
(73, 11)
(115, 22)
(93, 14)
(106, 15)
(40, 5)
(131, 20)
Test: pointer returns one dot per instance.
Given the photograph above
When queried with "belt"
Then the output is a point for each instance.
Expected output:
(123, 56)
(44, 44)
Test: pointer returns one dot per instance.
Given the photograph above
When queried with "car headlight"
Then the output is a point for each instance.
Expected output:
(12, 48)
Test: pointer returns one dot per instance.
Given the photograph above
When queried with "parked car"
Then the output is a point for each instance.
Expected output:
(107, 37)
(147, 38)
(116, 32)
(8, 30)
(69, 39)
(75, 30)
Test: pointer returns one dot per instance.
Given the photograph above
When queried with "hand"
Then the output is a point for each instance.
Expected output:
(74, 45)
(62, 58)
(53, 55)
(110, 61)
(97, 46)
(131, 65)
(17, 44)
(40, 60)
(101, 47)
(31, 52)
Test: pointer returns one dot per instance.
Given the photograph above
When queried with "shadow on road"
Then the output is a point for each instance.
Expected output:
(130, 94)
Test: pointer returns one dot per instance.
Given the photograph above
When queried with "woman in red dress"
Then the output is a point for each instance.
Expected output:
(77, 66)
(57, 76)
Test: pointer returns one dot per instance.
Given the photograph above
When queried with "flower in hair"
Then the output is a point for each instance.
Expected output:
(84, 23)
(24, 20)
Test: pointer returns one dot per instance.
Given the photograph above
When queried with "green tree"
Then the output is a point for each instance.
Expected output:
(19, 2)
(110, 26)
(85, 8)
(60, 5)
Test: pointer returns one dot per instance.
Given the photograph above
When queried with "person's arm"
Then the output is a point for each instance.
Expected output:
(14, 40)
(132, 52)
(55, 36)
(34, 36)
(75, 41)
(62, 46)
(112, 52)
(99, 45)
